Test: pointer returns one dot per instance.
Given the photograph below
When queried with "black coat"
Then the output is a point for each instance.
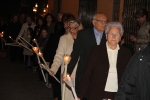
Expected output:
(81, 48)
(135, 84)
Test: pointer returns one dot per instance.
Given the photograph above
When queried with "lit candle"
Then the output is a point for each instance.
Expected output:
(40, 54)
(68, 77)
(35, 49)
(66, 59)
(34, 40)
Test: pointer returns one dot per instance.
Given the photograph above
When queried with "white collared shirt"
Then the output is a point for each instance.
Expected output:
(112, 79)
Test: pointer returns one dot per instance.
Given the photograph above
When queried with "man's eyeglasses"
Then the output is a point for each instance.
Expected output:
(100, 21)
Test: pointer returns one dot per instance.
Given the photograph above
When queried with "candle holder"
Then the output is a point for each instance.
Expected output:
(25, 41)
(36, 50)
(45, 66)
(69, 82)
(66, 61)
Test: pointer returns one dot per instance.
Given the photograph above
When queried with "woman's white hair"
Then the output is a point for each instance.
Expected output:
(114, 24)
(75, 21)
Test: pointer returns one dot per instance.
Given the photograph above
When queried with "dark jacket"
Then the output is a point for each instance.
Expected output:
(96, 72)
(81, 48)
(135, 84)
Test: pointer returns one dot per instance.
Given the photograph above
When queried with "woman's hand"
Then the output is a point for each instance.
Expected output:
(52, 73)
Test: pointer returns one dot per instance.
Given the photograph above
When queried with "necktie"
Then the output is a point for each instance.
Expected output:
(98, 39)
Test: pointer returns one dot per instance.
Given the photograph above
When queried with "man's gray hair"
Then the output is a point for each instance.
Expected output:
(114, 24)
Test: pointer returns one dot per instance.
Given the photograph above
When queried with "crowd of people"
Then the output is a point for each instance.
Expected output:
(99, 55)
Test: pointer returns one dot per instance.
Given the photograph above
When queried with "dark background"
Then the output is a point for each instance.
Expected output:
(9, 7)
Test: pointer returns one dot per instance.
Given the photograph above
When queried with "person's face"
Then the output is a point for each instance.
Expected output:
(15, 18)
(73, 29)
(40, 22)
(113, 36)
(44, 33)
(141, 19)
(100, 22)
(59, 16)
(49, 19)
(29, 21)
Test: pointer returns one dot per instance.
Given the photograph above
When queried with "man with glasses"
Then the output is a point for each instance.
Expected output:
(86, 39)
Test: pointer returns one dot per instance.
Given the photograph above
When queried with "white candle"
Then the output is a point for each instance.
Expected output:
(72, 88)
(26, 41)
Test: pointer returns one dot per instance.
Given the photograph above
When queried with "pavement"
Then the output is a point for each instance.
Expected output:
(18, 82)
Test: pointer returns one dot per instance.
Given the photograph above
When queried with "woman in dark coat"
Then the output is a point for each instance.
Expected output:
(105, 66)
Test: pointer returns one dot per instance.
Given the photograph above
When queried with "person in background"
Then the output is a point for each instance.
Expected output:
(59, 16)
(3, 25)
(135, 83)
(43, 38)
(143, 35)
(23, 31)
(105, 66)
(25, 26)
(28, 54)
(49, 23)
(86, 39)
(23, 18)
(13, 30)
(39, 25)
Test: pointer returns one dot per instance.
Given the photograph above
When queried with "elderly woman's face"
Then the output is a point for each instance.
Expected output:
(73, 28)
(113, 36)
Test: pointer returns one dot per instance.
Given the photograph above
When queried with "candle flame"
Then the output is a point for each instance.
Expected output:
(68, 76)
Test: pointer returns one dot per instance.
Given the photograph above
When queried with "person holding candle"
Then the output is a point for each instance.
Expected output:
(105, 66)
(50, 51)
(65, 47)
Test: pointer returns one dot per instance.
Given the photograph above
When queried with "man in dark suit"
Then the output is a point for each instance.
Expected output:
(86, 39)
